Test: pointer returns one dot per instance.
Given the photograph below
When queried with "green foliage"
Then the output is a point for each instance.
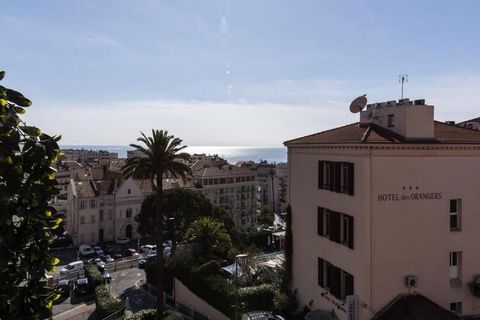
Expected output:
(257, 298)
(93, 275)
(27, 184)
(147, 314)
(151, 314)
(288, 250)
(172, 315)
(211, 237)
(266, 216)
(106, 304)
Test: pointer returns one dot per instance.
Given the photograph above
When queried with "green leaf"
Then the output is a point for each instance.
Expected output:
(18, 98)
(3, 102)
(32, 131)
(2, 74)
(18, 110)
(54, 261)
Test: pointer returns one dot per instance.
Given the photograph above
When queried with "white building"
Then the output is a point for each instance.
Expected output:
(385, 207)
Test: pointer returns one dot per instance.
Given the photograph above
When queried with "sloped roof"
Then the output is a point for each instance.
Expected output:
(413, 307)
(354, 133)
(90, 188)
(471, 120)
(215, 169)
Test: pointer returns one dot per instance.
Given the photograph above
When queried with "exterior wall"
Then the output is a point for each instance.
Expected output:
(127, 197)
(392, 238)
(87, 232)
(413, 237)
(308, 246)
(184, 296)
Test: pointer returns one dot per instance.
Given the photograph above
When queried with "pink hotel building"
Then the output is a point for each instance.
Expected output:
(386, 207)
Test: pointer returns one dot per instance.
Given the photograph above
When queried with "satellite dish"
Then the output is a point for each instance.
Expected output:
(358, 104)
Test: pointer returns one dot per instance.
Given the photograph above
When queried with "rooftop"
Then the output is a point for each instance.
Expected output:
(374, 134)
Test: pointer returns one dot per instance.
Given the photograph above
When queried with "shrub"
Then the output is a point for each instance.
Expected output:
(93, 275)
(106, 304)
(147, 314)
(172, 315)
(150, 314)
(210, 268)
(257, 298)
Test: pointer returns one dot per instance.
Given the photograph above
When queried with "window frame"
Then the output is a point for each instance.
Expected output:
(455, 214)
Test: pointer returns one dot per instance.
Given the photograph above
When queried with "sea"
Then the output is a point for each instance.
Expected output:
(231, 153)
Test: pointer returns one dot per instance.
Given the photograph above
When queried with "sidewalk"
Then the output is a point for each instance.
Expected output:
(86, 309)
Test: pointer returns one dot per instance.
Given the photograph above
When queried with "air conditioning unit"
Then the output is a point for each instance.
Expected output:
(411, 281)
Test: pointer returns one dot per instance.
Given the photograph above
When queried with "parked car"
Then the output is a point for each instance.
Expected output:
(110, 248)
(86, 250)
(72, 267)
(64, 287)
(261, 315)
(149, 258)
(100, 264)
(98, 250)
(148, 248)
(107, 258)
(130, 252)
(107, 278)
(82, 287)
(123, 240)
(117, 256)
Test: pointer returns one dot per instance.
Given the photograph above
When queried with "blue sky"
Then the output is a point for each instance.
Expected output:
(233, 72)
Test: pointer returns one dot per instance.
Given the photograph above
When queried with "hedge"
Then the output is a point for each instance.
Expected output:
(257, 298)
(93, 275)
(150, 314)
(106, 304)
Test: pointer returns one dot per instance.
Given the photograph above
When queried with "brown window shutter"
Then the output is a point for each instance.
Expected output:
(351, 178)
(331, 181)
(337, 173)
(321, 167)
(320, 221)
(348, 284)
(335, 226)
(350, 232)
(334, 281)
(320, 273)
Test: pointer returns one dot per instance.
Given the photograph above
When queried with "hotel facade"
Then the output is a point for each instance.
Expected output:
(386, 207)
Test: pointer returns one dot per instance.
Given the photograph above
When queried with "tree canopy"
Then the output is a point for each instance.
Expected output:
(27, 184)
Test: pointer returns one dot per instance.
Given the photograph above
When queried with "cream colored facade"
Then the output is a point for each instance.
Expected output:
(401, 209)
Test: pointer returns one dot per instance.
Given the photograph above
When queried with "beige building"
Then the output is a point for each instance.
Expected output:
(228, 186)
(384, 207)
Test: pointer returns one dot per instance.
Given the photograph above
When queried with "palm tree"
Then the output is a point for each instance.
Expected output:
(210, 235)
(160, 155)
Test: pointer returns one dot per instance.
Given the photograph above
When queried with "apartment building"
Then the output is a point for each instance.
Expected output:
(227, 186)
(84, 156)
(383, 208)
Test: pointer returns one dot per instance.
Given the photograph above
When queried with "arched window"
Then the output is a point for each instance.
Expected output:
(129, 212)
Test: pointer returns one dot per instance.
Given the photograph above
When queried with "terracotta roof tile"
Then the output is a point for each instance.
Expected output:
(354, 133)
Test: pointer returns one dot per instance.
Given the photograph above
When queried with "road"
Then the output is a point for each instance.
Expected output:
(122, 286)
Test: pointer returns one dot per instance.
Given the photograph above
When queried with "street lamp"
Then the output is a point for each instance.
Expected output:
(237, 259)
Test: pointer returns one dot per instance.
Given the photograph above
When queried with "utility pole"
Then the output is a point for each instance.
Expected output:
(402, 79)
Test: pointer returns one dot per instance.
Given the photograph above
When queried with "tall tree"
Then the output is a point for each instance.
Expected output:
(210, 235)
(27, 184)
(162, 154)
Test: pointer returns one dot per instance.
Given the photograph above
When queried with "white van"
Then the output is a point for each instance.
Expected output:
(85, 250)
(72, 267)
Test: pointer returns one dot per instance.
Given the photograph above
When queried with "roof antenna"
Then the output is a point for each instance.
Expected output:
(402, 79)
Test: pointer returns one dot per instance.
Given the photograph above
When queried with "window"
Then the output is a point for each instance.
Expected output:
(92, 219)
(455, 265)
(93, 203)
(335, 226)
(456, 307)
(129, 191)
(336, 176)
(82, 220)
(455, 208)
(391, 120)
(101, 215)
(82, 204)
(102, 202)
(335, 280)
(128, 213)
(110, 214)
